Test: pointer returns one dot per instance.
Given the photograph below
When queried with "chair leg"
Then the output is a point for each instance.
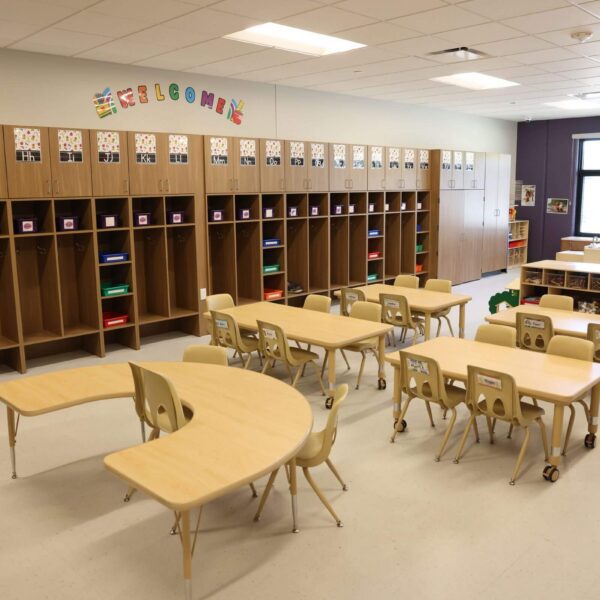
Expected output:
(446, 435)
(314, 364)
(510, 430)
(429, 413)
(289, 370)
(266, 365)
(360, 371)
(322, 498)
(415, 335)
(544, 437)
(569, 429)
(464, 439)
(324, 363)
(345, 359)
(476, 431)
(449, 325)
(517, 468)
(297, 377)
(247, 363)
(400, 419)
(336, 474)
(490, 429)
(437, 334)
(265, 494)
(254, 493)
(130, 492)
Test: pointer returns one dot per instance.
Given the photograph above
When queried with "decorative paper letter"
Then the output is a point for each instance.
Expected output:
(104, 103)
(174, 91)
(221, 105)
(190, 94)
(159, 95)
(143, 93)
(126, 97)
(207, 99)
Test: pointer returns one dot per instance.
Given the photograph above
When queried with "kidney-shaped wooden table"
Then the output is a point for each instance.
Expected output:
(244, 425)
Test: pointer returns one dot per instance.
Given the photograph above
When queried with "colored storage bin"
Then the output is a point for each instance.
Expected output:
(268, 213)
(418, 268)
(108, 221)
(371, 207)
(372, 277)
(111, 289)
(374, 232)
(142, 219)
(113, 257)
(292, 211)
(419, 227)
(271, 268)
(26, 224)
(113, 319)
(314, 211)
(175, 217)
(243, 214)
(67, 223)
(351, 209)
(375, 254)
(272, 294)
(269, 242)
(337, 209)
(216, 215)
(419, 247)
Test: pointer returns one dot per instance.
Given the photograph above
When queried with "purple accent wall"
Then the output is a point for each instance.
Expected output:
(546, 158)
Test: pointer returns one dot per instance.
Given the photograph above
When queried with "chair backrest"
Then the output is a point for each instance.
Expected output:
(422, 378)
(557, 301)
(534, 331)
(273, 342)
(226, 332)
(368, 311)
(593, 334)
(395, 310)
(317, 303)
(210, 355)
(497, 334)
(348, 296)
(219, 302)
(439, 285)
(409, 281)
(139, 397)
(571, 347)
(497, 390)
(330, 429)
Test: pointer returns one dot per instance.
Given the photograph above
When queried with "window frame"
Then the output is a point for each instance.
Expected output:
(581, 175)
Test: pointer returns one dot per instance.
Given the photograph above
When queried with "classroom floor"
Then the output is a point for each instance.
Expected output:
(413, 528)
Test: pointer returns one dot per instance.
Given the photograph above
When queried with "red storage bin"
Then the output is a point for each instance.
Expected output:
(271, 294)
(113, 319)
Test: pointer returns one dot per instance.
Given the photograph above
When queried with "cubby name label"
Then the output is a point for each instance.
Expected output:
(29, 156)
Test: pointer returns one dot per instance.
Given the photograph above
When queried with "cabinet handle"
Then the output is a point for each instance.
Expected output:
(281, 186)
(49, 187)
(56, 186)
(166, 185)
(160, 185)
(383, 184)
(125, 186)
(351, 181)
(401, 181)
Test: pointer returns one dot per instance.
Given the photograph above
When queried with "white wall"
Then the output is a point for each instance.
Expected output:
(37, 89)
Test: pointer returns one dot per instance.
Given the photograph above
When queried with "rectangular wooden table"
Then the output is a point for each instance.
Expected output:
(555, 379)
(420, 300)
(331, 332)
(564, 322)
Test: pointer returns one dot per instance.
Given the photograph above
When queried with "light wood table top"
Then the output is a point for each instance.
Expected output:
(565, 322)
(545, 376)
(559, 265)
(320, 329)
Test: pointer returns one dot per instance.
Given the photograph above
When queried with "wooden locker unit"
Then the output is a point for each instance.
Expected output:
(478, 178)
(10, 335)
(182, 273)
(70, 162)
(3, 181)
(340, 254)
(318, 253)
(358, 167)
(297, 155)
(376, 170)
(450, 235)
(272, 165)
(446, 171)
(470, 256)
(458, 170)
(409, 168)
(146, 162)
(317, 170)
(339, 167)
(183, 158)
(27, 162)
(109, 158)
(393, 168)
(297, 254)
(246, 170)
(423, 169)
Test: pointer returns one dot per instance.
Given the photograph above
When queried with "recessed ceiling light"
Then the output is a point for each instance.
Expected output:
(462, 53)
(573, 104)
(293, 39)
(475, 81)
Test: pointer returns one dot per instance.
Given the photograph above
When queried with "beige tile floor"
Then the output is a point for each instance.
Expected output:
(413, 528)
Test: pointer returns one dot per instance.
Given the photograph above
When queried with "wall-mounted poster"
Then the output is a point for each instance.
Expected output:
(145, 148)
(109, 146)
(557, 206)
(527, 195)
(70, 145)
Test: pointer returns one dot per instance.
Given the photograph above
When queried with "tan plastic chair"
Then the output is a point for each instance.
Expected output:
(441, 285)
(494, 395)
(395, 311)
(593, 334)
(226, 334)
(209, 355)
(275, 346)
(409, 281)
(316, 451)
(348, 296)
(571, 347)
(216, 302)
(534, 331)
(422, 378)
(557, 301)
(497, 334)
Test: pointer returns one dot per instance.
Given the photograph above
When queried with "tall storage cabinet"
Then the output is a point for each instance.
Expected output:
(272, 165)
(109, 158)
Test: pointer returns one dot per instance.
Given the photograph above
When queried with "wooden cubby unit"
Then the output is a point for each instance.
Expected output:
(318, 253)
(153, 205)
(249, 259)
(222, 203)
(320, 201)
(82, 209)
(274, 203)
(249, 203)
(9, 327)
(392, 245)
(151, 282)
(358, 250)
(222, 255)
(340, 252)
(298, 201)
(114, 206)
(338, 204)
(183, 276)
(408, 236)
(297, 254)
(42, 210)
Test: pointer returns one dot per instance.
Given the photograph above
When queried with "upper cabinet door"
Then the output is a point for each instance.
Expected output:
(409, 168)
(183, 158)
(146, 163)
(272, 166)
(423, 170)
(469, 170)
(70, 162)
(358, 167)
(458, 168)
(376, 168)
(297, 155)
(27, 162)
(393, 175)
(446, 182)
(339, 167)
(318, 170)
(218, 164)
(246, 170)
(108, 157)
(3, 184)
(479, 171)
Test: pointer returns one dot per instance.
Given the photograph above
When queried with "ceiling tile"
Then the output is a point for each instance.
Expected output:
(551, 20)
(480, 34)
(539, 78)
(57, 41)
(33, 13)
(266, 10)
(327, 20)
(377, 33)
(88, 21)
(504, 9)
(12, 32)
(122, 51)
(583, 73)
(214, 23)
(440, 19)
(542, 56)
(388, 9)
(562, 37)
(170, 37)
(591, 7)
(568, 65)
(75, 4)
(525, 43)
(148, 11)
(418, 46)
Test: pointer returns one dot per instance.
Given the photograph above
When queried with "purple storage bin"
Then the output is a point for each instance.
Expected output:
(175, 217)
(141, 219)
(64, 223)
(108, 221)
(216, 215)
(243, 214)
(26, 224)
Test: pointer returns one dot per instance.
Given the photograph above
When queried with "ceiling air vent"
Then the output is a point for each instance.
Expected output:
(462, 53)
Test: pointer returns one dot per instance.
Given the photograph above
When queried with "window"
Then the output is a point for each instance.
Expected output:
(588, 188)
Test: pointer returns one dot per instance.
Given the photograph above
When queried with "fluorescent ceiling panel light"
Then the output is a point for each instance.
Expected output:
(293, 39)
(573, 104)
(475, 81)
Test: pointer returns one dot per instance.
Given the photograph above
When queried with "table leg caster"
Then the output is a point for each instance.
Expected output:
(551, 473)
(381, 384)
(590, 440)
(402, 427)
(329, 402)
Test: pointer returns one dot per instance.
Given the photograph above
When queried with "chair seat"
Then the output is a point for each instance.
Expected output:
(368, 344)
(455, 395)
(165, 425)
(312, 447)
(250, 343)
(529, 411)
(303, 356)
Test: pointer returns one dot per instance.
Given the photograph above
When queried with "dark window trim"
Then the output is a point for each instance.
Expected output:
(581, 174)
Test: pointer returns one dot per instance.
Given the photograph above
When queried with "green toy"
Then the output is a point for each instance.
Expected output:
(503, 300)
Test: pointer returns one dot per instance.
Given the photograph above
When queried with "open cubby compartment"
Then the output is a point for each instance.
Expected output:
(114, 206)
(553, 278)
(275, 281)
(123, 305)
(273, 261)
(595, 282)
(11, 359)
(184, 204)
(318, 254)
(222, 204)
(118, 274)
(392, 202)
(408, 201)
(423, 222)
(222, 271)
(297, 300)
(154, 205)
(151, 274)
(340, 252)
(9, 333)
(299, 202)
(318, 201)
(358, 200)
(272, 204)
(89, 343)
(392, 244)
(42, 210)
(517, 256)
(531, 294)
(375, 271)
(408, 236)
(114, 241)
(297, 255)
(422, 264)
(375, 202)
(81, 209)
(247, 207)
(586, 303)
(249, 260)
(338, 204)
(423, 200)
(183, 274)
(532, 276)
(375, 249)
(375, 223)
(358, 250)
(273, 230)
(189, 325)
(3, 218)
(125, 335)
(37, 271)
(78, 278)
(577, 281)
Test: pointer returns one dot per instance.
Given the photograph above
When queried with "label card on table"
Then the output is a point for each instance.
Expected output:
(28, 144)
(108, 144)
(70, 145)
(534, 323)
(178, 149)
(273, 153)
(145, 148)
(219, 151)
(317, 153)
(297, 154)
(248, 153)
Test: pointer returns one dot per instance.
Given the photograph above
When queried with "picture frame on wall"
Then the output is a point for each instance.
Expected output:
(527, 195)
(557, 206)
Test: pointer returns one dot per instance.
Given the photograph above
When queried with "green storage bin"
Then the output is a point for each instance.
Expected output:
(372, 277)
(271, 268)
(110, 289)
(419, 247)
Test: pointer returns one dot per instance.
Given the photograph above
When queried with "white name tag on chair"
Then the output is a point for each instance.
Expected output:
(534, 323)
(270, 334)
(488, 381)
(389, 303)
(419, 366)
(352, 296)
(221, 324)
